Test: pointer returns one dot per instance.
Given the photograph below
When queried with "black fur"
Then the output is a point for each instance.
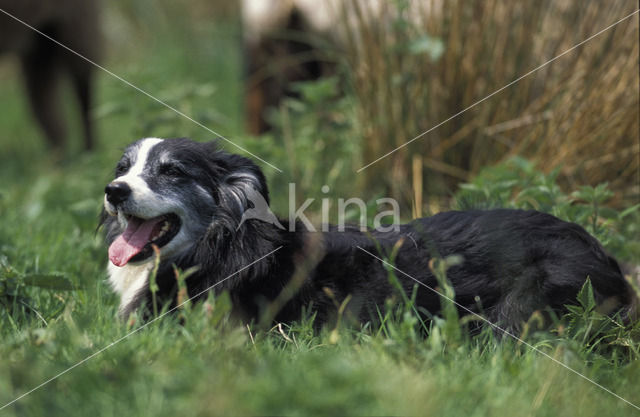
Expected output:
(514, 262)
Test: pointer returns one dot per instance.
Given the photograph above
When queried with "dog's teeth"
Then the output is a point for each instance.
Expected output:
(162, 231)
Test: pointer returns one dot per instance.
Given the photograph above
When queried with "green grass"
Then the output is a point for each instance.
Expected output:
(208, 365)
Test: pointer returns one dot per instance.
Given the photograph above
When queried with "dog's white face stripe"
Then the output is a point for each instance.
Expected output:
(141, 158)
(133, 177)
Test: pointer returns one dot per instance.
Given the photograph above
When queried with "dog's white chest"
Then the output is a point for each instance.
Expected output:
(128, 280)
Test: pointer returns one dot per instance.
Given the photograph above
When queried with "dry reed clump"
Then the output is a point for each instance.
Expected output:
(415, 64)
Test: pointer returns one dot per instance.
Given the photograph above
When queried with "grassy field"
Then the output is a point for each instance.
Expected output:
(56, 308)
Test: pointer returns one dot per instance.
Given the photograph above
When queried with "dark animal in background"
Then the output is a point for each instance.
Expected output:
(282, 42)
(289, 41)
(188, 198)
(73, 23)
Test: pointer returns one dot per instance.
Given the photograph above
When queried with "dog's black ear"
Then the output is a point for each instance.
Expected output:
(242, 190)
(243, 186)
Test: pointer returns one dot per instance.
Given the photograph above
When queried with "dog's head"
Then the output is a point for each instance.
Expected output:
(170, 193)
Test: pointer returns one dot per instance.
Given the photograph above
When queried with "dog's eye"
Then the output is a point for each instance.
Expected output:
(122, 167)
(171, 170)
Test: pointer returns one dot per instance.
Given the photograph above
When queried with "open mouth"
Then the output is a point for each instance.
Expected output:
(134, 244)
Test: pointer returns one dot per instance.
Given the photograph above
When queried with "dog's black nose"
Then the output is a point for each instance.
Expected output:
(117, 192)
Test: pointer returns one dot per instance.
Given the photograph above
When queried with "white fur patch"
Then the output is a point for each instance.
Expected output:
(128, 280)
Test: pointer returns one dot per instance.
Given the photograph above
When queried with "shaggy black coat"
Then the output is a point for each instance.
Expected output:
(513, 262)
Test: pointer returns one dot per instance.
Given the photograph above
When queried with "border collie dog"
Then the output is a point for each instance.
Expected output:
(188, 199)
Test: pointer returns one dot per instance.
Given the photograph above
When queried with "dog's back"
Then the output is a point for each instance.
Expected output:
(511, 264)
(515, 262)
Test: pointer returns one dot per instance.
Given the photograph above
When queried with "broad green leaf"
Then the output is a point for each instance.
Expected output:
(585, 296)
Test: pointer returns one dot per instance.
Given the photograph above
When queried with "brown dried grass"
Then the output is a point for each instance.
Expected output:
(579, 113)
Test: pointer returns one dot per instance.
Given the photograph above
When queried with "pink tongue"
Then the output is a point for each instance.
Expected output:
(132, 240)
